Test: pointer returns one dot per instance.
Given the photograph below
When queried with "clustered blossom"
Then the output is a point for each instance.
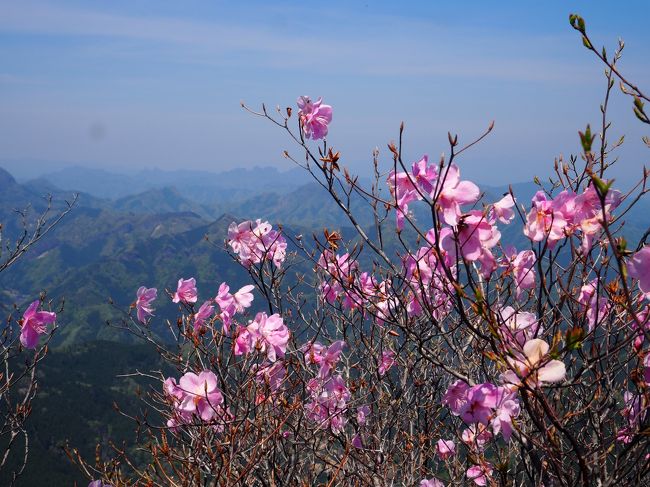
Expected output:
(195, 396)
(329, 394)
(314, 117)
(267, 334)
(449, 192)
(257, 242)
(143, 303)
(567, 213)
(357, 290)
(34, 324)
(480, 406)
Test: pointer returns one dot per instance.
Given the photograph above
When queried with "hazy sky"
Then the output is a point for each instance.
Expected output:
(132, 84)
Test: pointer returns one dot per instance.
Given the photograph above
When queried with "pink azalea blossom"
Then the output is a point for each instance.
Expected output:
(34, 324)
(202, 315)
(519, 327)
(507, 408)
(143, 303)
(265, 333)
(596, 307)
(481, 400)
(534, 365)
(387, 361)
(425, 175)
(522, 267)
(357, 441)
(638, 267)
(502, 209)
(480, 474)
(330, 357)
(453, 193)
(314, 117)
(456, 396)
(186, 291)
(98, 483)
(243, 298)
(445, 449)
(432, 482)
(362, 414)
(545, 220)
(271, 377)
(257, 242)
(201, 395)
(476, 436)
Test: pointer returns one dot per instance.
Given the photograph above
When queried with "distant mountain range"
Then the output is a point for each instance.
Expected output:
(108, 246)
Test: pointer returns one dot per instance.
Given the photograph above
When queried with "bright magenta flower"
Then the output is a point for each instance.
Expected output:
(314, 117)
(34, 324)
(186, 291)
(143, 303)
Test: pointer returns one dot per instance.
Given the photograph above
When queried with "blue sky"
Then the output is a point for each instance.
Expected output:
(133, 84)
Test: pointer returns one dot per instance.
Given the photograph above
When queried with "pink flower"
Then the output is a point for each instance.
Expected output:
(425, 175)
(34, 324)
(330, 357)
(314, 117)
(202, 315)
(387, 361)
(271, 376)
(265, 333)
(243, 298)
(98, 483)
(519, 327)
(432, 482)
(545, 220)
(502, 209)
(143, 303)
(456, 396)
(638, 267)
(476, 436)
(522, 266)
(646, 370)
(507, 408)
(362, 414)
(445, 449)
(455, 193)
(186, 291)
(200, 394)
(402, 189)
(481, 399)
(534, 366)
(480, 474)
(596, 307)
(257, 242)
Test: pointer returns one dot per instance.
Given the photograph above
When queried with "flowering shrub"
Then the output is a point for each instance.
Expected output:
(440, 357)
